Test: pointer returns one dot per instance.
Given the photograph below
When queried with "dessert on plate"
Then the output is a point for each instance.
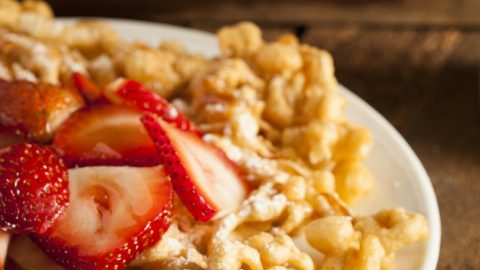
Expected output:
(120, 155)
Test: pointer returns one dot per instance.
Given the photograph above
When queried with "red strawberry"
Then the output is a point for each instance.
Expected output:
(92, 93)
(105, 135)
(115, 213)
(134, 94)
(204, 178)
(34, 190)
(36, 110)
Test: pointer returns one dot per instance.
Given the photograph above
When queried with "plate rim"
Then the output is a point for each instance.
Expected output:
(429, 197)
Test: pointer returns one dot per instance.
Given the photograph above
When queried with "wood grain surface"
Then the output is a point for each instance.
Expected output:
(416, 61)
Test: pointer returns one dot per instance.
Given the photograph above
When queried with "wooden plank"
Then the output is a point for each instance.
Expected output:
(407, 12)
(393, 51)
(440, 12)
(468, 53)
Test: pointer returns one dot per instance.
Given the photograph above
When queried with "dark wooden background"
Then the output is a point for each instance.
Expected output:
(416, 61)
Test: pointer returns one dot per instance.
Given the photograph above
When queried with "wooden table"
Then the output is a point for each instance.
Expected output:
(415, 61)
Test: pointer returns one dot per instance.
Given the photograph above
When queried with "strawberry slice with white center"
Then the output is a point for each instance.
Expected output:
(204, 178)
(134, 94)
(105, 135)
(115, 213)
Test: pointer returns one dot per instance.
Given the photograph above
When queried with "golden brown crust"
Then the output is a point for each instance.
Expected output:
(36, 109)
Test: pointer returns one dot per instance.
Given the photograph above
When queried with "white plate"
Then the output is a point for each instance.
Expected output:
(401, 179)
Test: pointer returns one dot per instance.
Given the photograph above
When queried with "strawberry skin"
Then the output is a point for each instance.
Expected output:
(105, 135)
(207, 182)
(134, 94)
(115, 213)
(34, 190)
(92, 93)
(36, 110)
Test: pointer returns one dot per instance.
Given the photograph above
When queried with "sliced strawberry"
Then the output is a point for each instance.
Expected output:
(204, 178)
(92, 93)
(105, 135)
(114, 214)
(134, 94)
(34, 190)
(36, 110)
